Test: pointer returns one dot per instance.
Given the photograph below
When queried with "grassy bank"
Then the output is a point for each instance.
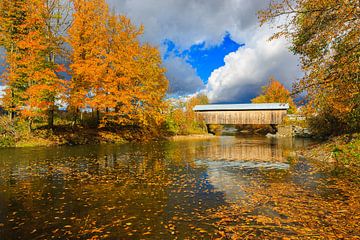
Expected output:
(341, 151)
(61, 136)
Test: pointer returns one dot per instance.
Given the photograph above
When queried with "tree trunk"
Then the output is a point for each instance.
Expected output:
(97, 117)
(75, 117)
(30, 124)
(81, 117)
(11, 112)
(51, 117)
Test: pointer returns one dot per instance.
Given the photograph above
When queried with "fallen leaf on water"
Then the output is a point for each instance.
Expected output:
(200, 230)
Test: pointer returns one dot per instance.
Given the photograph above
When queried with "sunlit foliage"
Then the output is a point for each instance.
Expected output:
(275, 92)
(27, 37)
(113, 75)
(181, 118)
(325, 33)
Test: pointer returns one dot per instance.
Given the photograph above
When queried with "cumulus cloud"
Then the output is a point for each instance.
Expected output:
(182, 77)
(188, 22)
(249, 68)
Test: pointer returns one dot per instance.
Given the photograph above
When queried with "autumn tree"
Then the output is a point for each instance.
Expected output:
(325, 34)
(181, 118)
(112, 72)
(12, 14)
(32, 83)
(88, 41)
(58, 20)
(275, 92)
(135, 84)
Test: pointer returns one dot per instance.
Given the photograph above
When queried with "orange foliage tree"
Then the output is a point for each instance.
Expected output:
(30, 76)
(87, 38)
(275, 92)
(113, 73)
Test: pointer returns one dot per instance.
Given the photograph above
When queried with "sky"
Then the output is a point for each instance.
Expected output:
(212, 46)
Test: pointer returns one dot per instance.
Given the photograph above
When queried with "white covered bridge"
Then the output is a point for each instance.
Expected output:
(262, 113)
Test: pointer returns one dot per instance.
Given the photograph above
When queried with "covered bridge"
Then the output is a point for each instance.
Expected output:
(262, 113)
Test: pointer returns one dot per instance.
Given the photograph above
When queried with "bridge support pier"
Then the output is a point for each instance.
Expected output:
(274, 128)
(209, 130)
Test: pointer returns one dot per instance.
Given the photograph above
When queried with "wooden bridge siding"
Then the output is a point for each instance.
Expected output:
(243, 117)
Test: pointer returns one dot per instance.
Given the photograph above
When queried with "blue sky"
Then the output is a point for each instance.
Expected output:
(204, 59)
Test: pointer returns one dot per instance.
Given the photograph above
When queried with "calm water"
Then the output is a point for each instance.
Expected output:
(160, 190)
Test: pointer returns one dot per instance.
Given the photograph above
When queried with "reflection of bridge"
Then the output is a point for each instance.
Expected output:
(264, 113)
(261, 151)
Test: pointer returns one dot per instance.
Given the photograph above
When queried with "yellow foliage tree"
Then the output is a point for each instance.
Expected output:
(113, 73)
(275, 92)
(325, 34)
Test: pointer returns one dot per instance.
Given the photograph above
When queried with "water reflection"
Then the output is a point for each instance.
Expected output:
(161, 190)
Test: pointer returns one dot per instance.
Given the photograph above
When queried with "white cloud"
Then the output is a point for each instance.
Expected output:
(182, 77)
(250, 67)
(187, 22)
(2, 88)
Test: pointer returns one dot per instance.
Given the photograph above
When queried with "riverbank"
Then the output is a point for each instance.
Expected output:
(341, 151)
(66, 135)
(61, 136)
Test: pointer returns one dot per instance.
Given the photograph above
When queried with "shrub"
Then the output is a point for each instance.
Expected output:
(7, 132)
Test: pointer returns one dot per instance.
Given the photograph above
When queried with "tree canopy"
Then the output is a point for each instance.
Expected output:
(325, 34)
(275, 92)
(112, 73)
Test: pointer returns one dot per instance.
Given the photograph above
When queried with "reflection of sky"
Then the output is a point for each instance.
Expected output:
(230, 176)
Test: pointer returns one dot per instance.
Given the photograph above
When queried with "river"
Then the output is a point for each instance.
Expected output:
(226, 187)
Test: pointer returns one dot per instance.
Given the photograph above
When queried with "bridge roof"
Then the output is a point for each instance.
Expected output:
(242, 107)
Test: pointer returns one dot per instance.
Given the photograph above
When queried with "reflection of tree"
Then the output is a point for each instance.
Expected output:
(123, 190)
